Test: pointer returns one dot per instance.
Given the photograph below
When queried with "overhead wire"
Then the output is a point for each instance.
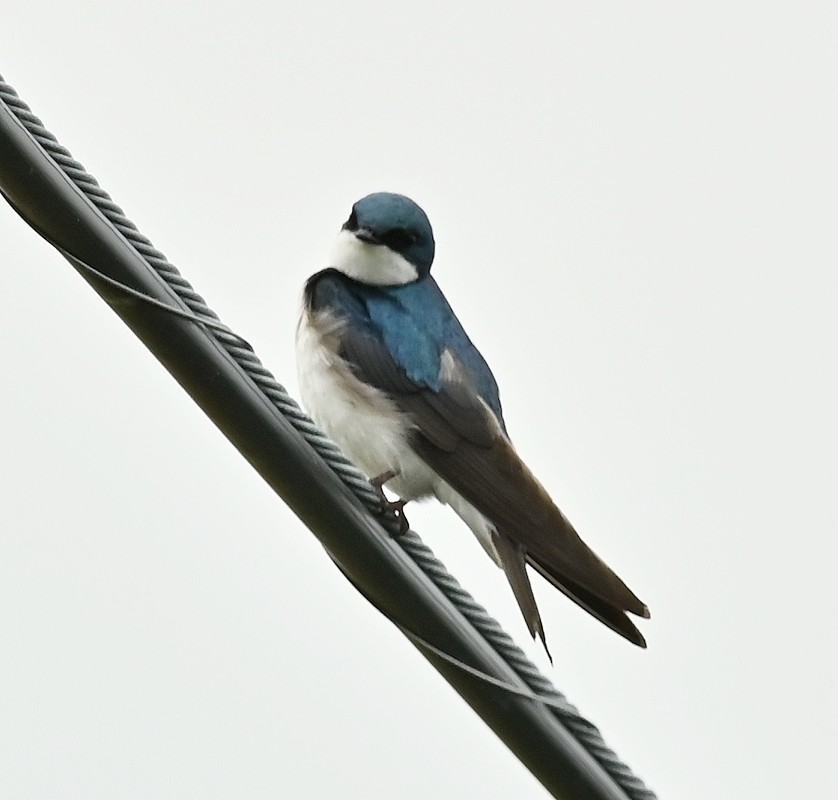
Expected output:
(539, 687)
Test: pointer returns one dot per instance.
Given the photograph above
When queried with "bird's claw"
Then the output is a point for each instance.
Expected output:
(396, 507)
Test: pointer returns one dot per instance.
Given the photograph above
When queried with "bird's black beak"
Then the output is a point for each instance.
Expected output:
(366, 235)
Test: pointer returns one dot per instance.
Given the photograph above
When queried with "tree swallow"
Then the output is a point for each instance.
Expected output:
(386, 369)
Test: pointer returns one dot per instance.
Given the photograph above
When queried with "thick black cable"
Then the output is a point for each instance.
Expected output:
(584, 732)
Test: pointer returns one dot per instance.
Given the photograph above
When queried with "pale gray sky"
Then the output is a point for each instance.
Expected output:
(634, 207)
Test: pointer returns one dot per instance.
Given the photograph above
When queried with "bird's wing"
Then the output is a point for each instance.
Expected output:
(451, 398)
(457, 434)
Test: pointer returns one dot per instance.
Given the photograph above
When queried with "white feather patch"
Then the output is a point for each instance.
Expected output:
(374, 264)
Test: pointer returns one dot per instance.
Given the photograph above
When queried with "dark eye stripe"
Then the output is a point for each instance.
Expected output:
(399, 239)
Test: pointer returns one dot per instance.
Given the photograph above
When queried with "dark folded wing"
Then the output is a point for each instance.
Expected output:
(445, 417)
(459, 436)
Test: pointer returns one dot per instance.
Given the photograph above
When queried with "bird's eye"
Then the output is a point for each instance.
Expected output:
(352, 223)
(399, 239)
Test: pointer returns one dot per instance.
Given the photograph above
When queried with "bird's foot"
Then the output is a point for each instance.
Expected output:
(396, 506)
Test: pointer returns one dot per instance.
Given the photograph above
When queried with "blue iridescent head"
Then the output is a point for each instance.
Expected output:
(387, 240)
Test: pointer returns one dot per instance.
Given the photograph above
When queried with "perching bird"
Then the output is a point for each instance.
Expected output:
(386, 369)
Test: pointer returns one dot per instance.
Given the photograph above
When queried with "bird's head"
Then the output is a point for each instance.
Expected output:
(387, 241)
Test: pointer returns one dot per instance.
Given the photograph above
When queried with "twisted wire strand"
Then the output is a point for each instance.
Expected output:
(585, 732)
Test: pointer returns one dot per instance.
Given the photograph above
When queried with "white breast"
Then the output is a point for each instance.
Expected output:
(362, 420)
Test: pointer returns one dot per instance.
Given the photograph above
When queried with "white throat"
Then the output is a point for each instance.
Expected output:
(374, 264)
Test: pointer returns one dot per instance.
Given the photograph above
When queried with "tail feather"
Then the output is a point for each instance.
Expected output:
(607, 613)
(513, 561)
(491, 477)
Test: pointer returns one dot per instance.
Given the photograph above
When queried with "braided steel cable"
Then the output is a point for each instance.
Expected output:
(543, 690)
